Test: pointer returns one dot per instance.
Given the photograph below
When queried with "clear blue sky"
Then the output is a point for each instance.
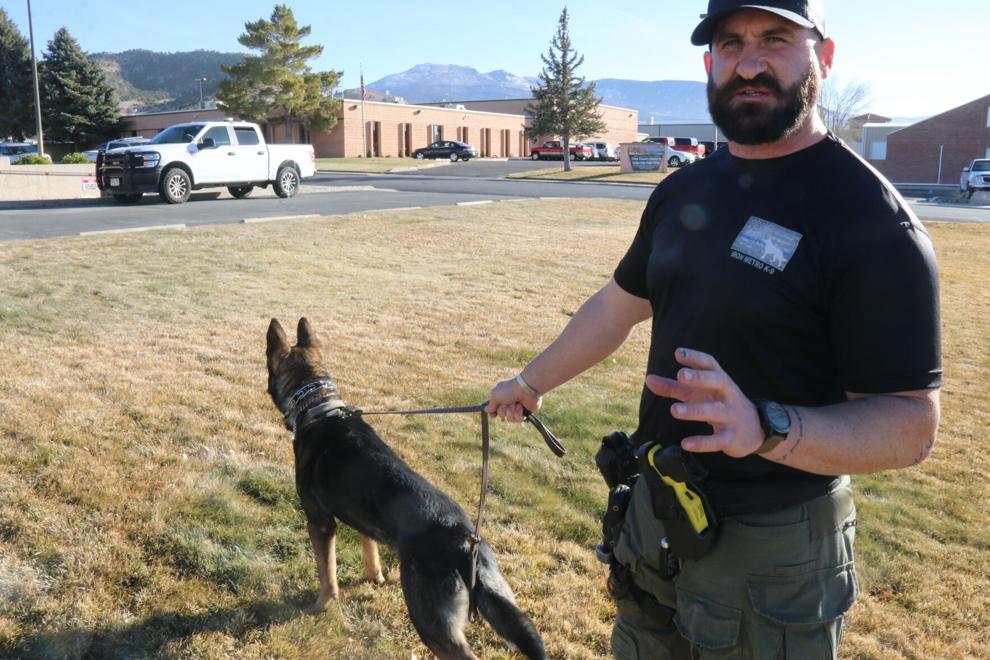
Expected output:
(920, 57)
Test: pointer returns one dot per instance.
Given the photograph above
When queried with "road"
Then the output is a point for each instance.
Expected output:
(336, 193)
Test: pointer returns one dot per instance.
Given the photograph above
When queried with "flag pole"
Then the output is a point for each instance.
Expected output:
(364, 128)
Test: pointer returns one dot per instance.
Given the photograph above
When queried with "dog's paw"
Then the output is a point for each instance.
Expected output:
(378, 579)
(324, 599)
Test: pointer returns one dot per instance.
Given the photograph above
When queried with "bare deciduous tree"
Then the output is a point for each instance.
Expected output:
(841, 102)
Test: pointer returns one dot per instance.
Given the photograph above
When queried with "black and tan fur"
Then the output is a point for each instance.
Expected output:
(345, 472)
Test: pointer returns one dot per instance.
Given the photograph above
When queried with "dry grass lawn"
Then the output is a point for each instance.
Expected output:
(147, 506)
(370, 165)
(598, 173)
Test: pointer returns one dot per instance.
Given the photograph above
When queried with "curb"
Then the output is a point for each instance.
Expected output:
(131, 230)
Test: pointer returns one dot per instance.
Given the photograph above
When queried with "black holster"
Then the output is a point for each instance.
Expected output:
(672, 477)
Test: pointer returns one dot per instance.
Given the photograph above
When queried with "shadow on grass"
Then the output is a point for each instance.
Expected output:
(148, 637)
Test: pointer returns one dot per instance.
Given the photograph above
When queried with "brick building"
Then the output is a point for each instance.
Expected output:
(495, 128)
(936, 150)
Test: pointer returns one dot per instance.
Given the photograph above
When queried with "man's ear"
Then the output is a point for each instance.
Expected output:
(278, 343)
(708, 63)
(825, 49)
(305, 337)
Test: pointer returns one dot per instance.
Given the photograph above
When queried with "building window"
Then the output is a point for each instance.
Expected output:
(878, 150)
(988, 117)
(437, 133)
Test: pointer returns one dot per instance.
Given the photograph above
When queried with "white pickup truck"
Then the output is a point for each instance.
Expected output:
(205, 154)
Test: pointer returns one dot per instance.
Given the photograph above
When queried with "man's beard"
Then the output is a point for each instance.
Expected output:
(757, 123)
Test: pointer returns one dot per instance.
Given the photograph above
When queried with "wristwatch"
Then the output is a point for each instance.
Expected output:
(776, 424)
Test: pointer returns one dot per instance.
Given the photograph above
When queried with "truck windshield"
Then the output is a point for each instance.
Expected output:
(981, 166)
(180, 134)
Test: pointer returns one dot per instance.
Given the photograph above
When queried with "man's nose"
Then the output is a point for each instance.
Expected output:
(751, 64)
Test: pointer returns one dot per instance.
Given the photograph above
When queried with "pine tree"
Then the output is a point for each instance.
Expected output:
(278, 82)
(16, 82)
(78, 105)
(562, 104)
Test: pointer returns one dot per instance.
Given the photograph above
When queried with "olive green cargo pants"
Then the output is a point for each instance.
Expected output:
(774, 586)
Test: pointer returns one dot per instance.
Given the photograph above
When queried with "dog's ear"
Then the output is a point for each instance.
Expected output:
(305, 337)
(278, 343)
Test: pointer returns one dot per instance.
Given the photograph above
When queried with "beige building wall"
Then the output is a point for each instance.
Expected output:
(622, 122)
(392, 129)
(495, 128)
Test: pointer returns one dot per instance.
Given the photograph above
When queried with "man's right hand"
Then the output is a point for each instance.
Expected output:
(507, 401)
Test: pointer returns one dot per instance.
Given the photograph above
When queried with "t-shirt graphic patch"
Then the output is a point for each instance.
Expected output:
(765, 245)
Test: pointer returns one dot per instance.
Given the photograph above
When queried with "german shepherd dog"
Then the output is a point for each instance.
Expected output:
(345, 472)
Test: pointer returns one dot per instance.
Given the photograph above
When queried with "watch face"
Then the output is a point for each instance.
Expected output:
(778, 418)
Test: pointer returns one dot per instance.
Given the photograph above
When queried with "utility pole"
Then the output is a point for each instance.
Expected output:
(37, 92)
(364, 129)
(201, 81)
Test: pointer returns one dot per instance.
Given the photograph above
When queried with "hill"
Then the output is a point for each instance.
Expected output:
(147, 81)
(665, 100)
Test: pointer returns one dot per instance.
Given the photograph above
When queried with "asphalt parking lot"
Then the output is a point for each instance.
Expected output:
(496, 169)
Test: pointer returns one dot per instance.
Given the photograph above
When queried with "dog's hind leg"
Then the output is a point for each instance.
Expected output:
(372, 564)
(438, 607)
(324, 539)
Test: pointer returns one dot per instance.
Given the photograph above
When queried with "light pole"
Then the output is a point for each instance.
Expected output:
(37, 93)
(201, 81)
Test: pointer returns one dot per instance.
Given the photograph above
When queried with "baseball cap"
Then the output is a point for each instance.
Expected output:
(806, 13)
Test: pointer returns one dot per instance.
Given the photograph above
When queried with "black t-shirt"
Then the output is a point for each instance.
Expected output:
(805, 276)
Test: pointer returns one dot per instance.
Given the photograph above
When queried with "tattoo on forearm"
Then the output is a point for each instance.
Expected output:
(924, 454)
(797, 441)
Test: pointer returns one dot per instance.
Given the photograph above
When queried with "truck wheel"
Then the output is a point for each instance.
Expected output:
(673, 161)
(240, 191)
(175, 186)
(536, 155)
(132, 198)
(286, 181)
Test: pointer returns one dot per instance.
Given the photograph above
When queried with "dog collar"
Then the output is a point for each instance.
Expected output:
(314, 401)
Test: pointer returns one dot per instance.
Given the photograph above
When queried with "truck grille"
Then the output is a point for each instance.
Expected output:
(110, 165)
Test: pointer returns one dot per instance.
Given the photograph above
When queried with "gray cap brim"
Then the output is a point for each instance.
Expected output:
(702, 35)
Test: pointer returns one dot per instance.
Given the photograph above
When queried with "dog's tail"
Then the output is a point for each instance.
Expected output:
(498, 607)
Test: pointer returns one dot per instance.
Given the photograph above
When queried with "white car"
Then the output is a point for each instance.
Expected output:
(975, 177)
(121, 143)
(680, 158)
(205, 154)
(604, 151)
(17, 150)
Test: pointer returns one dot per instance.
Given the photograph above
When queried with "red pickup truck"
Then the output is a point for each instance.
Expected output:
(554, 149)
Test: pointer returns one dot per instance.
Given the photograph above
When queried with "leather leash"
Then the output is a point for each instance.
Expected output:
(551, 440)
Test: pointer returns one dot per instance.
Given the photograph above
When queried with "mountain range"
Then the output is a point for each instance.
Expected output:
(664, 100)
(148, 81)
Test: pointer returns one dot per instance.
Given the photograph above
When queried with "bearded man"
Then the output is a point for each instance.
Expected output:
(793, 298)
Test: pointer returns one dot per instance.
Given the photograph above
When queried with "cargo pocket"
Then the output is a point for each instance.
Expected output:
(705, 623)
(803, 612)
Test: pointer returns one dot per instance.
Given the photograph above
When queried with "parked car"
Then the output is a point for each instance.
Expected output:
(675, 158)
(686, 145)
(17, 150)
(603, 151)
(711, 146)
(121, 143)
(205, 154)
(975, 176)
(554, 149)
(448, 149)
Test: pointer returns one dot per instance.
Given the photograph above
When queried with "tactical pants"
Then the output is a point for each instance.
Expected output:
(775, 585)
